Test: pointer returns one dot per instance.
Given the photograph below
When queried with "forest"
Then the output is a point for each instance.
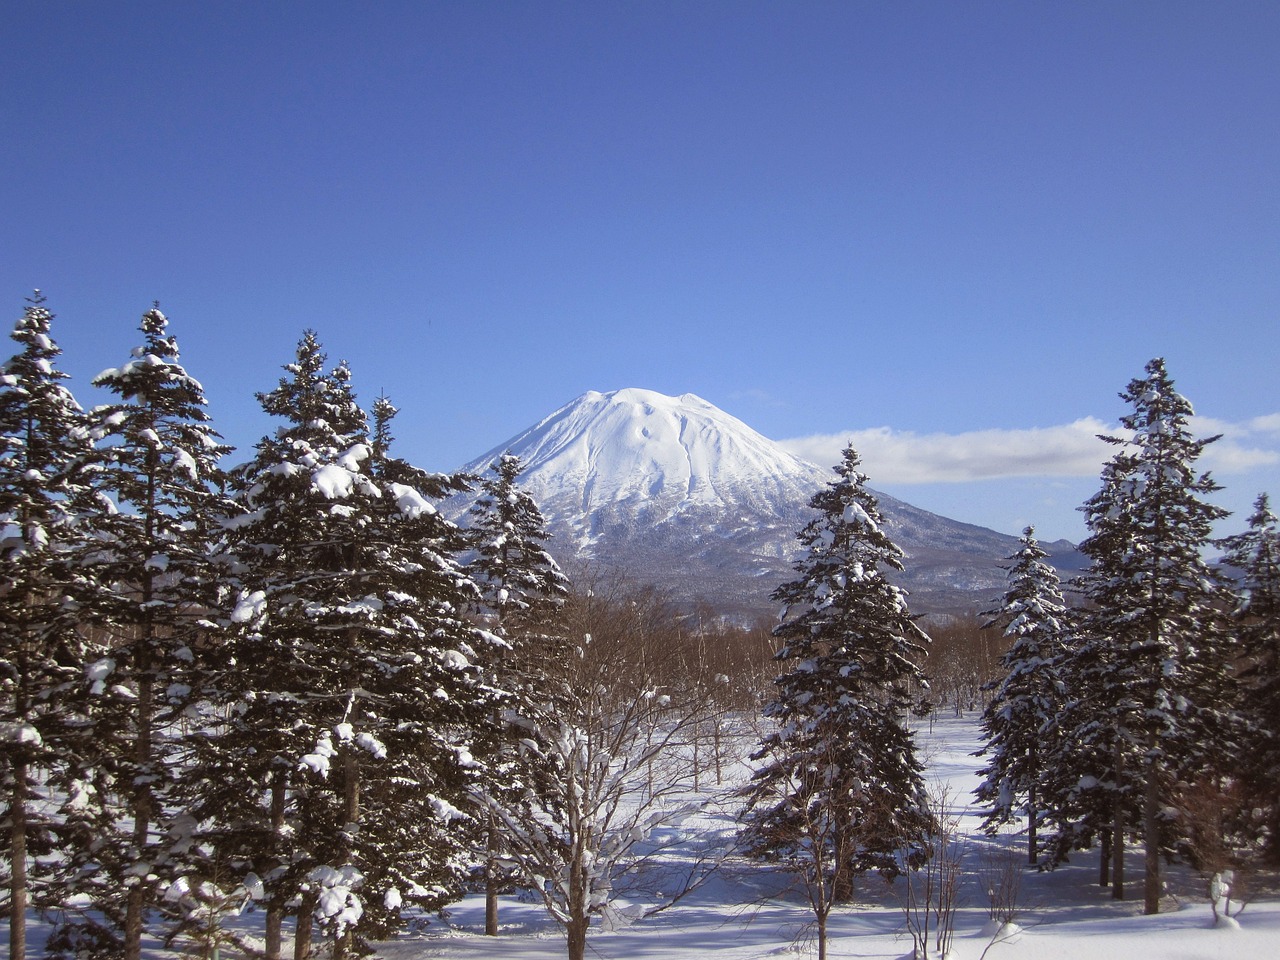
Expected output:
(290, 688)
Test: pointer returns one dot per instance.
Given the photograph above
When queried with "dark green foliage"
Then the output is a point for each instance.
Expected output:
(840, 791)
(521, 583)
(350, 691)
(1154, 667)
(1256, 555)
(156, 580)
(522, 592)
(1020, 720)
(44, 446)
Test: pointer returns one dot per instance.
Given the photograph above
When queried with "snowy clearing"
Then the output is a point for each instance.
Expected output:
(747, 911)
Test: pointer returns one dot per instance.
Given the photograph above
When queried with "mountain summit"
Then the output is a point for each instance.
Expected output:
(649, 459)
(674, 491)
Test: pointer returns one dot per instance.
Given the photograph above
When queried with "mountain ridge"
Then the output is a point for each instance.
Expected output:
(676, 492)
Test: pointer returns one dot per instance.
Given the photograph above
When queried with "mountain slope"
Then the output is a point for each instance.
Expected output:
(676, 492)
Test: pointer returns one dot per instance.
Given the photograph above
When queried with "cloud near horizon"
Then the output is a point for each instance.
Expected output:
(1068, 450)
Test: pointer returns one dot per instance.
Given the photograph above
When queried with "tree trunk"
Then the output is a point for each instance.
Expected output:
(1271, 852)
(576, 938)
(822, 935)
(579, 912)
(274, 921)
(494, 845)
(136, 902)
(351, 805)
(18, 872)
(842, 869)
(1151, 839)
(715, 739)
(1032, 817)
(1104, 862)
(842, 884)
(351, 792)
(144, 746)
(302, 939)
(1117, 829)
(275, 905)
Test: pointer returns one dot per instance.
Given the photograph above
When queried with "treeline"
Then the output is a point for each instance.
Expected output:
(292, 684)
(1148, 711)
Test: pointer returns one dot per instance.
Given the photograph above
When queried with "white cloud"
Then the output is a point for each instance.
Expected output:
(1266, 424)
(1243, 446)
(1069, 450)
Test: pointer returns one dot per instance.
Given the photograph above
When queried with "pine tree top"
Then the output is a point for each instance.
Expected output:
(44, 439)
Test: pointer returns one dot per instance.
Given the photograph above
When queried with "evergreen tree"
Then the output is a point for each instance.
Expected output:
(1256, 554)
(522, 590)
(841, 788)
(157, 580)
(1156, 663)
(1085, 798)
(521, 583)
(1020, 719)
(354, 724)
(430, 691)
(44, 444)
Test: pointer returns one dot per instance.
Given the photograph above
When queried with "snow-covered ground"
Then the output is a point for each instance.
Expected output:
(748, 911)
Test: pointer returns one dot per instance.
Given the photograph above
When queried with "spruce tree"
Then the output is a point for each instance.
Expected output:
(1085, 799)
(1256, 555)
(841, 790)
(431, 692)
(522, 591)
(44, 445)
(522, 585)
(1156, 663)
(1019, 720)
(158, 580)
(354, 721)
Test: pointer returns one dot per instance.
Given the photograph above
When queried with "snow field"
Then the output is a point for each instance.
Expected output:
(748, 911)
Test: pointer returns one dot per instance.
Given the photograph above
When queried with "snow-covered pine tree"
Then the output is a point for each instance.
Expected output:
(1019, 721)
(1156, 663)
(522, 585)
(1084, 800)
(1256, 555)
(522, 591)
(44, 444)
(157, 581)
(351, 687)
(239, 785)
(430, 691)
(842, 764)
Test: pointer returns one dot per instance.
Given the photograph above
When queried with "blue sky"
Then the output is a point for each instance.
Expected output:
(952, 231)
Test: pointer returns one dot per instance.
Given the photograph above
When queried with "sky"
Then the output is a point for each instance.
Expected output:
(950, 232)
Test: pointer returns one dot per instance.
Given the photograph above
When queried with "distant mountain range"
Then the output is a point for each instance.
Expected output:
(675, 492)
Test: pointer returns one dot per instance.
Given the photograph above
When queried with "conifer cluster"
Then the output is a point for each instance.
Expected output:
(1148, 712)
(268, 686)
(292, 686)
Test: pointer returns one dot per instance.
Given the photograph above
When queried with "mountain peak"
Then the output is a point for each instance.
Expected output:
(659, 453)
(676, 492)
(652, 397)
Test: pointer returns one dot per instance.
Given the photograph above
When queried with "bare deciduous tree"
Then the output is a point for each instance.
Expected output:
(618, 757)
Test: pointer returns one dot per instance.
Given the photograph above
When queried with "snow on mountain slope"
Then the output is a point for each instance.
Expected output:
(676, 492)
(656, 458)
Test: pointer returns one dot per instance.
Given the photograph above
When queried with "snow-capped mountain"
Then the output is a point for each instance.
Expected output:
(674, 491)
